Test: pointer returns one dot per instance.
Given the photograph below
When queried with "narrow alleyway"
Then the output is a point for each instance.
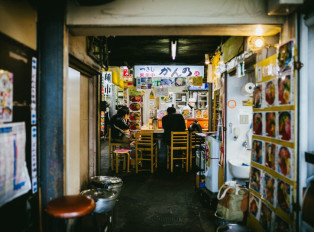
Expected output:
(159, 202)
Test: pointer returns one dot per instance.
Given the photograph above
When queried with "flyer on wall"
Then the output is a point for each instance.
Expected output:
(6, 96)
(15, 180)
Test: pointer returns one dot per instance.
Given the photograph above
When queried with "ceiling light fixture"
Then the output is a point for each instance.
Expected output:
(206, 58)
(173, 49)
(256, 43)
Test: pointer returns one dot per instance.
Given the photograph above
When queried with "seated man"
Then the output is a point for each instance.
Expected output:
(172, 122)
(119, 125)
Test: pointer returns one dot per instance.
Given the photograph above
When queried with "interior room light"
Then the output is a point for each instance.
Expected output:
(259, 30)
(206, 58)
(259, 43)
(173, 49)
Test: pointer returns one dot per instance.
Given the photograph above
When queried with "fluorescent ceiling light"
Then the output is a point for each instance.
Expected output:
(173, 49)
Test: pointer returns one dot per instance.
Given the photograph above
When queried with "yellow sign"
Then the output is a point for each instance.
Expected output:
(195, 81)
(266, 69)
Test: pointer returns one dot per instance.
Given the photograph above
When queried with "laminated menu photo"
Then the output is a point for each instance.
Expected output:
(258, 123)
(135, 116)
(285, 57)
(270, 154)
(269, 188)
(269, 95)
(266, 217)
(285, 161)
(257, 96)
(270, 124)
(284, 196)
(257, 151)
(286, 125)
(255, 179)
(285, 89)
(254, 206)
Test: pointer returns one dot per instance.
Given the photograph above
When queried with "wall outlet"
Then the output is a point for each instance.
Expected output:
(244, 119)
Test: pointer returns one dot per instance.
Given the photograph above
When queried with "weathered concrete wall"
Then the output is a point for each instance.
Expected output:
(18, 21)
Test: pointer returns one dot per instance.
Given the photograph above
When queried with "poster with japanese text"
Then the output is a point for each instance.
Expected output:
(14, 177)
(6, 96)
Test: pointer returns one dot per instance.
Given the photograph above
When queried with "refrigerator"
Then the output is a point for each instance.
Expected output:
(212, 164)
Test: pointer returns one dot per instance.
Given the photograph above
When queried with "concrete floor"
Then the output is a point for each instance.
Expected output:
(159, 202)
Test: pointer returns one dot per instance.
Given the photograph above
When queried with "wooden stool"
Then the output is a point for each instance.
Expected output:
(126, 155)
(69, 207)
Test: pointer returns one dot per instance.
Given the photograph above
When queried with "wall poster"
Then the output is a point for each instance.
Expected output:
(273, 173)
(6, 96)
(14, 177)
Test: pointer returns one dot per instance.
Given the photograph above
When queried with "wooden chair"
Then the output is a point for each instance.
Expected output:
(193, 140)
(112, 147)
(145, 150)
(124, 155)
(179, 142)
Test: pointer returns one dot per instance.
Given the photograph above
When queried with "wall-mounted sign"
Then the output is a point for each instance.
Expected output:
(106, 85)
(33, 92)
(126, 74)
(168, 71)
(6, 96)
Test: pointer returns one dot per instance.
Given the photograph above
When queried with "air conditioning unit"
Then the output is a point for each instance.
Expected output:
(283, 7)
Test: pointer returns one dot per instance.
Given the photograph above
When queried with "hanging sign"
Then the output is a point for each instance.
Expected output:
(125, 74)
(34, 159)
(6, 96)
(106, 83)
(33, 92)
(168, 71)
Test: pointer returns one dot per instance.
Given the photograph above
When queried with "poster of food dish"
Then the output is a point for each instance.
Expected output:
(135, 106)
(180, 81)
(205, 114)
(6, 96)
(135, 126)
(255, 180)
(266, 217)
(270, 93)
(135, 99)
(270, 124)
(284, 162)
(254, 206)
(269, 188)
(257, 151)
(135, 116)
(285, 57)
(270, 154)
(186, 113)
(285, 125)
(285, 90)
(166, 82)
(284, 196)
(198, 114)
(281, 225)
(257, 96)
(258, 123)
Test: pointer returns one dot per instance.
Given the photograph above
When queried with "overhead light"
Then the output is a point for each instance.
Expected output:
(206, 58)
(173, 49)
(259, 43)
(255, 43)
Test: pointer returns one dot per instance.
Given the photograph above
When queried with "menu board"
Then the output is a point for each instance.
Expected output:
(273, 172)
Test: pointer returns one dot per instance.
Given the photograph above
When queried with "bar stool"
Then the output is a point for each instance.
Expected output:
(122, 154)
(112, 146)
(69, 207)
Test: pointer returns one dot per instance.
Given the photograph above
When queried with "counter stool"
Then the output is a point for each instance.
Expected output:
(122, 154)
(69, 207)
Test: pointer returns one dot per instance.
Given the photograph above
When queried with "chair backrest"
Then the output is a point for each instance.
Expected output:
(194, 139)
(144, 139)
(109, 135)
(179, 138)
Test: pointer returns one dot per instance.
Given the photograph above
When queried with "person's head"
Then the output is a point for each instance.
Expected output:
(123, 112)
(195, 121)
(171, 110)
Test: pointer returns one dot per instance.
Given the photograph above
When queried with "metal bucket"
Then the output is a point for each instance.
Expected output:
(107, 182)
(105, 199)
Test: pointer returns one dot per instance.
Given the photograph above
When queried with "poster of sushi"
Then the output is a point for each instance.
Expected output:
(254, 206)
(255, 179)
(270, 155)
(285, 125)
(285, 89)
(270, 124)
(285, 57)
(285, 162)
(266, 217)
(284, 196)
(258, 123)
(269, 188)
(269, 95)
(281, 225)
(257, 96)
(257, 151)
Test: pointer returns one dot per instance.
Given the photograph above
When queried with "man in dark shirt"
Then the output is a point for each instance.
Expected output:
(119, 125)
(172, 122)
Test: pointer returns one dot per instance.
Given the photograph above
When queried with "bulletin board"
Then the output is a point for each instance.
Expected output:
(273, 159)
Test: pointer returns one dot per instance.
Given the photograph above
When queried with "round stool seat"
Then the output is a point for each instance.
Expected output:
(122, 150)
(70, 206)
